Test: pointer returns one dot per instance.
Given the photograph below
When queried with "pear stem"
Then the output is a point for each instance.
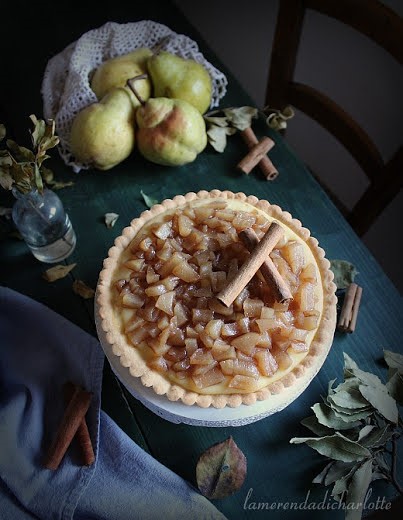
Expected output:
(130, 83)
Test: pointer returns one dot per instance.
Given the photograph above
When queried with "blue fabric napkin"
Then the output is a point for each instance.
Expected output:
(39, 351)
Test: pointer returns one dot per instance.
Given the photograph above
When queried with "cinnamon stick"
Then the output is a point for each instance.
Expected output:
(354, 313)
(266, 166)
(82, 434)
(281, 291)
(255, 155)
(73, 415)
(349, 312)
(251, 265)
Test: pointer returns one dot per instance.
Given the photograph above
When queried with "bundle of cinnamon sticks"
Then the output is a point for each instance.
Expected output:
(349, 312)
(259, 259)
(72, 425)
(257, 155)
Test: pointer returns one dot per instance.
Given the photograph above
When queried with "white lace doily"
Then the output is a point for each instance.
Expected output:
(66, 87)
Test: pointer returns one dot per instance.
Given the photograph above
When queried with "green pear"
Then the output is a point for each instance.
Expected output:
(171, 132)
(103, 133)
(175, 77)
(116, 71)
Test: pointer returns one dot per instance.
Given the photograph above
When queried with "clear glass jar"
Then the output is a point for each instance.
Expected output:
(44, 225)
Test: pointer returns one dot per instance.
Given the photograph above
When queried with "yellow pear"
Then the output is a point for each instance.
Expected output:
(171, 132)
(175, 77)
(103, 133)
(116, 71)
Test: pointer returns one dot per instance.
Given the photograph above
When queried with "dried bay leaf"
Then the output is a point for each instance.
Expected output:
(110, 219)
(351, 369)
(393, 360)
(366, 430)
(320, 478)
(57, 272)
(344, 273)
(316, 427)
(351, 399)
(338, 470)
(221, 470)
(337, 447)
(357, 491)
(341, 485)
(395, 387)
(327, 416)
(381, 401)
(377, 437)
(83, 290)
(352, 418)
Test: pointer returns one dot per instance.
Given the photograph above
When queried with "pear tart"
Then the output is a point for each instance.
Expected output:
(159, 311)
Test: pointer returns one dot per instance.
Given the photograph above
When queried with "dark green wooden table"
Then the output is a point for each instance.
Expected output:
(278, 472)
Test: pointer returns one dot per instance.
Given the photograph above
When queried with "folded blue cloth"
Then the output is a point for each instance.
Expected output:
(40, 351)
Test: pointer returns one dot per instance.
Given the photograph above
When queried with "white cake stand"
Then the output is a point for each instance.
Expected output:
(177, 412)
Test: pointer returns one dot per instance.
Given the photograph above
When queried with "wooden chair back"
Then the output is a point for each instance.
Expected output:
(382, 26)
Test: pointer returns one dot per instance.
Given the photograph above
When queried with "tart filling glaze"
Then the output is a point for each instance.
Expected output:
(157, 301)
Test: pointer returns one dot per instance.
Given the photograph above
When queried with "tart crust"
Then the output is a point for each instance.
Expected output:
(129, 356)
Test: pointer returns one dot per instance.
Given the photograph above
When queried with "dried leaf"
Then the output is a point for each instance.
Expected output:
(59, 185)
(348, 399)
(344, 273)
(20, 153)
(320, 478)
(395, 387)
(221, 470)
(241, 117)
(6, 180)
(82, 289)
(357, 490)
(57, 272)
(380, 463)
(39, 130)
(217, 136)
(351, 369)
(277, 119)
(25, 169)
(47, 175)
(110, 219)
(314, 425)
(377, 437)
(218, 121)
(381, 401)
(393, 360)
(337, 447)
(367, 429)
(341, 485)
(148, 200)
(338, 470)
(327, 416)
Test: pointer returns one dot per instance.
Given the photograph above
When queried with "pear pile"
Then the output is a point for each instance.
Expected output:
(152, 102)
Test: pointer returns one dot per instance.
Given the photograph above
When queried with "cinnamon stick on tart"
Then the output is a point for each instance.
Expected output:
(251, 265)
(268, 270)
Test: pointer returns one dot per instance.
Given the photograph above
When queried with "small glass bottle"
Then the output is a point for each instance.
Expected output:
(44, 225)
